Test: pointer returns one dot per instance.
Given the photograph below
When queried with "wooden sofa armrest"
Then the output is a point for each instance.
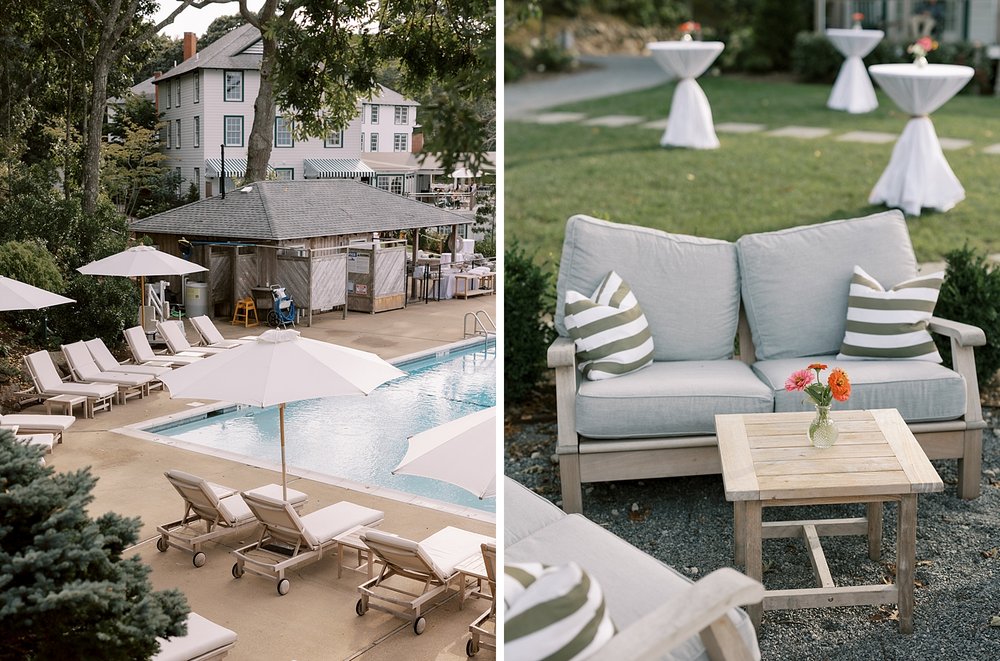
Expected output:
(965, 334)
(562, 358)
(562, 353)
(703, 609)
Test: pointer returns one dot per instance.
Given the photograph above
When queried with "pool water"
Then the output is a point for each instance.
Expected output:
(363, 438)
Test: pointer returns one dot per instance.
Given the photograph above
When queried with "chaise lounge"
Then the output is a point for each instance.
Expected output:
(48, 383)
(84, 369)
(210, 335)
(172, 333)
(107, 362)
(143, 353)
(205, 641)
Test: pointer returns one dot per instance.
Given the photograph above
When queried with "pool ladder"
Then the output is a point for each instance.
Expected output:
(482, 324)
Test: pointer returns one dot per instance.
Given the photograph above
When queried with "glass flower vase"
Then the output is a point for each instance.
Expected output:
(921, 61)
(823, 430)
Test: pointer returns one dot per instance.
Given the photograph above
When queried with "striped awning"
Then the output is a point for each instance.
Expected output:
(332, 168)
(235, 167)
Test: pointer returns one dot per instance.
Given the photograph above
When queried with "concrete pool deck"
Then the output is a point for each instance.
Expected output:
(316, 619)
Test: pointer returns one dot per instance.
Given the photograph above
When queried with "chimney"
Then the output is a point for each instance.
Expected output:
(156, 91)
(417, 141)
(190, 44)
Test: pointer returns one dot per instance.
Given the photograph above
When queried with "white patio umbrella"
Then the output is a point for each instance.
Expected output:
(462, 452)
(140, 261)
(281, 367)
(17, 295)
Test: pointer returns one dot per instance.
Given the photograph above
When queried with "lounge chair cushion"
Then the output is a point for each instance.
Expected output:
(46, 441)
(891, 325)
(40, 422)
(107, 362)
(922, 391)
(612, 335)
(553, 612)
(687, 323)
(321, 526)
(48, 381)
(203, 637)
(669, 399)
(533, 513)
(795, 282)
(450, 546)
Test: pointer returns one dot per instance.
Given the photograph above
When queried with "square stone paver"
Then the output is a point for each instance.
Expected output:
(660, 124)
(867, 136)
(954, 143)
(992, 149)
(739, 127)
(557, 117)
(807, 132)
(613, 121)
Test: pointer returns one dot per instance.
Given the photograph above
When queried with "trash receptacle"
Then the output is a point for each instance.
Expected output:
(196, 299)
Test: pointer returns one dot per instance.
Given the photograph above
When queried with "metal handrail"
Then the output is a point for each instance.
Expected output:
(479, 326)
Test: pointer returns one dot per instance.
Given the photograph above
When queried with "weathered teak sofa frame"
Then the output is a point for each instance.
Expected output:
(585, 459)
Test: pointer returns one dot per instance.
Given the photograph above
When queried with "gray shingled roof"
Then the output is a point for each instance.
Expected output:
(284, 210)
(221, 54)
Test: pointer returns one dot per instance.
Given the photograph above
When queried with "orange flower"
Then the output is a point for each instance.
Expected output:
(817, 366)
(840, 385)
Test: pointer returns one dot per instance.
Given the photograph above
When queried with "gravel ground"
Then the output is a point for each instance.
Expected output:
(687, 523)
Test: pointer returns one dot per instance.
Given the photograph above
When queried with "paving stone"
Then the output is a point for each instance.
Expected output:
(738, 127)
(557, 117)
(660, 124)
(992, 149)
(613, 121)
(867, 136)
(807, 132)
(954, 143)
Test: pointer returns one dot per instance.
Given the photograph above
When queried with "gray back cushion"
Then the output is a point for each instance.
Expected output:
(795, 282)
(688, 287)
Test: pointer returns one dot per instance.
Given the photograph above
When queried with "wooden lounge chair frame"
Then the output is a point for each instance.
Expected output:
(483, 630)
(143, 353)
(85, 370)
(95, 402)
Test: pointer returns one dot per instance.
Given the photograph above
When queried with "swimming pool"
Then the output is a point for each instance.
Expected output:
(361, 438)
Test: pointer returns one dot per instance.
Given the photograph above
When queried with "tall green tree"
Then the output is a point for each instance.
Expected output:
(69, 592)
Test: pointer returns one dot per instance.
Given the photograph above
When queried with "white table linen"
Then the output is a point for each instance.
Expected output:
(918, 175)
(690, 121)
(853, 91)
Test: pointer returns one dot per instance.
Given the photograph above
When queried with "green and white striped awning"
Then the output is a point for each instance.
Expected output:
(235, 167)
(334, 168)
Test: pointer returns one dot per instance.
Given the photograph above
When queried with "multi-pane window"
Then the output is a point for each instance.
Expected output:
(391, 183)
(197, 87)
(374, 142)
(399, 141)
(177, 92)
(169, 94)
(234, 86)
(401, 115)
(197, 178)
(374, 115)
(170, 134)
(362, 142)
(177, 133)
(334, 139)
(284, 174)
(283, 132)
(233, 130)
(197, 131)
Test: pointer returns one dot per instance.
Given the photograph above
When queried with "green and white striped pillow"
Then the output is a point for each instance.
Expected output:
(553, 613)
(886, 325)
(611, 332)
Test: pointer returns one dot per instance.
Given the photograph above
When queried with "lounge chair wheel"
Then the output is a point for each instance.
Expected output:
(161, 545)
(199, 559)
(419, 625)
(284, 586)
(360, 608)
(237, 570)
(470, 649)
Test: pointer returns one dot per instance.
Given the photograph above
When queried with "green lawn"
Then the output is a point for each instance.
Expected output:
(752, 183)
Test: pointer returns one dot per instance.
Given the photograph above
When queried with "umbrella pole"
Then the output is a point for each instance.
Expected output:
(142, 302)
(281, 425)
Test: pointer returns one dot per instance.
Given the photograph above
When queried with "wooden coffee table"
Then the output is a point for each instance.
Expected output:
(767, 461)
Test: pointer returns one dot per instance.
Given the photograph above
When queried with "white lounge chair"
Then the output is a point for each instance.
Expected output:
(83, 368)
(108, 363)
(205, 641)
(210, 511)
(143, 353)
(172, 333)
(430, 563)
(211, 337)
(484, 630)
(288, 540)
(48, 383)
(46, 441)
(28, 423)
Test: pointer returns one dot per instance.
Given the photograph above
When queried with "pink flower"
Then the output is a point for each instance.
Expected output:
(799, 380)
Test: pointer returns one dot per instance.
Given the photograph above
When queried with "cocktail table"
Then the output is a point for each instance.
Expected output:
(690, 121)
(767, 461)
(853, 91)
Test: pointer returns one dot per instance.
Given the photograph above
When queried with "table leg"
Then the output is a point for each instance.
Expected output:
(752, 553)
(906, 552)
(739, 518)
(874, 515)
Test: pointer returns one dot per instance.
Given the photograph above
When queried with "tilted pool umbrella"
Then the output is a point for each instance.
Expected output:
(462, 452)
(17, 295)
(281, 367)
(138, 262)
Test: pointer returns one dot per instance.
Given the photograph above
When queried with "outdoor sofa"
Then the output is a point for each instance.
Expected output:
(783, 296)
(657, 612)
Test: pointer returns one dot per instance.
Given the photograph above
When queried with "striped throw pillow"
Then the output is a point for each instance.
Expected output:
(553, 613)
(886, 325)
(611, 332)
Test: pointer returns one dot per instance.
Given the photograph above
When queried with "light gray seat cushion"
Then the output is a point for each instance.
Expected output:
(688, 287)
(533, 512)
(795, 282)
(669, 399)
(921, 391)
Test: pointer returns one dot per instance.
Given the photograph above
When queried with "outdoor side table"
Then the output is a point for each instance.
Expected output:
(64, 404)
(352, 540)
(767, 461)
(918, 174)
(853, 91)
(690, 121)
(474, 568)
